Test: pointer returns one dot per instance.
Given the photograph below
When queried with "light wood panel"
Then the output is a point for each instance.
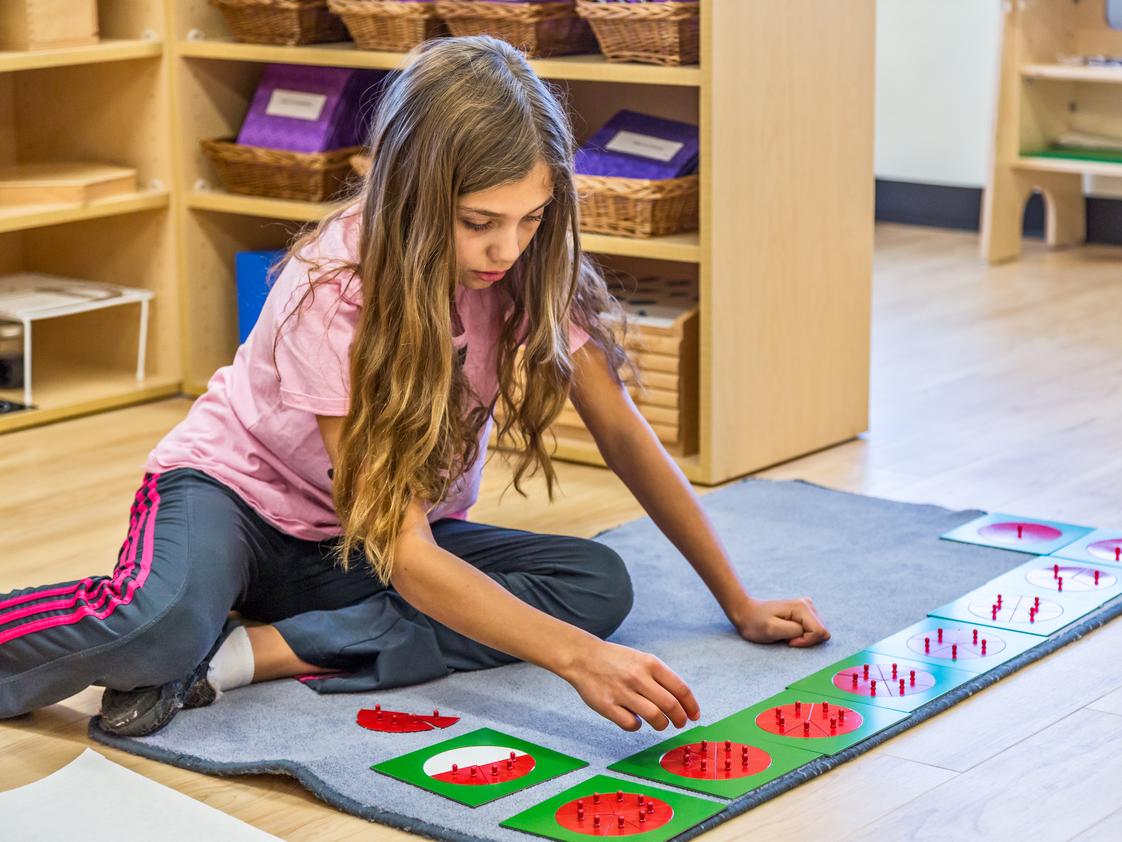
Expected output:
(787, 179)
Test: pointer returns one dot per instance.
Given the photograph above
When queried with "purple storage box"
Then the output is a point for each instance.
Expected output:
(632, 145)
(305, 108)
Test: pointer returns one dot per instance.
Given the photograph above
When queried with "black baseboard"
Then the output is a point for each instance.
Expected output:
(960, 207)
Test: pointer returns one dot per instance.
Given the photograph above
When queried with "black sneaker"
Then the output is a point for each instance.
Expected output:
(145, 710)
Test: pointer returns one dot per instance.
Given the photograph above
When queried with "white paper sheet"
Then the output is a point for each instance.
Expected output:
(96, 800)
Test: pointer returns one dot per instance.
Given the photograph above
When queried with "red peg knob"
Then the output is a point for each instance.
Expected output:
(595, 798)
(494, 768)
(798, 708)
(779, 713)
(704, 745)
(954, 651)
(642, 799)
(595, 821)
(1118, 553)
(620, 821)
(1055, 571)
(975, 637)
(927, 644)
(455, 768)
(728, 764)
(841, 715)
(855, 679)
(940, 631)
(642, 818)
(513, 755)
(806, 729)
(1036, 599)
(510, 764)
(728, 745)
(1020, 530)
(619, 795)
(983, 647)
(894, 670)
(436, 712)
(912, 674)
(1059, 584)
(704, 763)
(993, 613)
(865, 671)
(825, 709)
(1096, 577)
(650, 806)
(901, 687)
(873, 686)
(833, 723)
(473, 771)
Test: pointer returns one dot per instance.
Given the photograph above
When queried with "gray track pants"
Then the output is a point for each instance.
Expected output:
(195, 550)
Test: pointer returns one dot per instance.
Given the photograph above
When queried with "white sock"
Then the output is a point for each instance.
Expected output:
(232, 664)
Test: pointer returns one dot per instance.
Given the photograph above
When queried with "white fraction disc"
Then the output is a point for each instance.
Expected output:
(1072, 576)
(1016, 608)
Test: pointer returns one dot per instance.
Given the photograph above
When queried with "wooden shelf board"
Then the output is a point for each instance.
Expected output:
(110, 49)
(594, 68)
(223, 202)
(681, 247)
(21, 217)
(1071, 165)
(1072, 73)
(80, 390)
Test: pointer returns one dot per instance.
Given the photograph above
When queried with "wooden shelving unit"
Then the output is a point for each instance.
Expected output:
(107, 102)
(784, 98)
(1039, 98)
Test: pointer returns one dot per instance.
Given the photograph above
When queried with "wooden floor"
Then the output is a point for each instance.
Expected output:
(996, 388)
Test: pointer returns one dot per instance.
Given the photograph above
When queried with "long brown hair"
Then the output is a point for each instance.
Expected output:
(465, 115)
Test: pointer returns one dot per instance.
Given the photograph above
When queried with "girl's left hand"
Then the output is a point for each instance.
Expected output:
(768, 621)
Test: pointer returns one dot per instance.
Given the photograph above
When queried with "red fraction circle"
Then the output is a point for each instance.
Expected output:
(723, 760)
(600, 814)
(479, 765)
(887, 684)
(1075, 578)
(826, 719)
(1013, 532)
(1017, 608)
(1108, 550)
(963, 639)
(398, 722)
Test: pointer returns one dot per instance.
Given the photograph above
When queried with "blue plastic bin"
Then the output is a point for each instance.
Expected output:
(252, 271)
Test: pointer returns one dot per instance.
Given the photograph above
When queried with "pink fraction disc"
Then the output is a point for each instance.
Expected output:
(963, 638)
(832, 721)
(1015, 532)
(886, 684)
(724, 761)
(1075, 577)
(640, 813)
(1108, 550)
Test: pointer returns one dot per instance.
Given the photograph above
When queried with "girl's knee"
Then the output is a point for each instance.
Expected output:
(166, 649)
(614, 595)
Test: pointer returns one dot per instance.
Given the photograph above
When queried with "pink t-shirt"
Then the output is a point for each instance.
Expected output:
(258, 435)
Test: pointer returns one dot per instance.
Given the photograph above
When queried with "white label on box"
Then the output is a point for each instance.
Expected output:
(297, 104)
(644, 145)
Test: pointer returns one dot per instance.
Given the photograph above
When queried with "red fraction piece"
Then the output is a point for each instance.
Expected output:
(812, 727)
(628, 819)
(396, 722)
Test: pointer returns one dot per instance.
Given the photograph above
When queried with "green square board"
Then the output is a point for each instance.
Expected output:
(541, 819)
(475, 749)
(742, 726)
(780, 759)
(931, 681)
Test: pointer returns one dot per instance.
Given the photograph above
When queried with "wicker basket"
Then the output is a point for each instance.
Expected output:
(286, 22)
(656, 33)
(389, 24)
(253, 170)
(538, 29)
(638, 207)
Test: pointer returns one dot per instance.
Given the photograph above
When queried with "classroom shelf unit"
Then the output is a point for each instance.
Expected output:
(783, 258)
(108, 102)
(1040, 97)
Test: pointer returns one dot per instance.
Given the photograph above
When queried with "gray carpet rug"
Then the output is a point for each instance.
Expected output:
(872, 566)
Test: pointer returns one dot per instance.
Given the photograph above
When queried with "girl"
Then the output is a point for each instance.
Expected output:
(349, 434)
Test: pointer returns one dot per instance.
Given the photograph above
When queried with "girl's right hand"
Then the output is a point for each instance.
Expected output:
(628, 686)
